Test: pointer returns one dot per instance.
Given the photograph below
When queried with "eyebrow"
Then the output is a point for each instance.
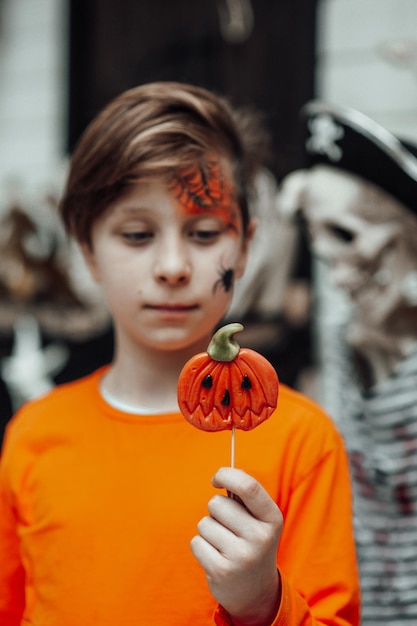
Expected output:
(131, 209)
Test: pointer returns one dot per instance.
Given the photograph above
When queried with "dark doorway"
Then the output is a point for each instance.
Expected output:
(268, 60)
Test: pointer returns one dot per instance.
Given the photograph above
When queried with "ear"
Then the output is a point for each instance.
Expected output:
(243, 257)
(90, 260)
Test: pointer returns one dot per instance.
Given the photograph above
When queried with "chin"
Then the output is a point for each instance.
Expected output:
(176, 339)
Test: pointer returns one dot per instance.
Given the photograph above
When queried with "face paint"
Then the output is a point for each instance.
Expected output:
(226, 280)
(204, 188)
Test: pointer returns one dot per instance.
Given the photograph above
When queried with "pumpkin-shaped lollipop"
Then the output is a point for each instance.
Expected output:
(227, 387)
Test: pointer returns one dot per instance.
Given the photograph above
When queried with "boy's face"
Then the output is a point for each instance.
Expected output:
(166, 258)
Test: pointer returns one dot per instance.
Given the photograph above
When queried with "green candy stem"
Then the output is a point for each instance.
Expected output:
(223, 346)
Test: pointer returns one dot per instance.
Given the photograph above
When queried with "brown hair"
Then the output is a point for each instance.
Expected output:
(155, 131)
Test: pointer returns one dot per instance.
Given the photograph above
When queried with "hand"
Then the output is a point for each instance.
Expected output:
(237, 546)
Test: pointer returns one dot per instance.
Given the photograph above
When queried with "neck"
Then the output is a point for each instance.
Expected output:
(146, 377)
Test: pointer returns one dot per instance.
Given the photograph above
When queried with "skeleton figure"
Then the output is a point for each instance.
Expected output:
(361, 214)
(369, 241)
(50, 308)
(29, 370)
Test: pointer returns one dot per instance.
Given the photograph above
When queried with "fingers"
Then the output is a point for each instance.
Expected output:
(227, 524)
(215, 544)
(207, 554)
(233, 516)
(251, 493)
(236, 530)
(237, 546)
(232, 530)
(230, 537)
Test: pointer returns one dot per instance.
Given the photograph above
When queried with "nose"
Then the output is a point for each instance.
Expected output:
(345, 276)
(325, 247)
(172, 265)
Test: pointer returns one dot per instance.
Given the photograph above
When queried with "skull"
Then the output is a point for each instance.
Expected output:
(367, 237)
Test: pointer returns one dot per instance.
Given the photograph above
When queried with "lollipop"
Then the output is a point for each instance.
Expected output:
(227, 387)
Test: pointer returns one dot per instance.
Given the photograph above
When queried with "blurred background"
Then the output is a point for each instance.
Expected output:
(62, 60)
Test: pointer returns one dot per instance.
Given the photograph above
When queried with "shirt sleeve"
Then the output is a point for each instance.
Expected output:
(317, 556)
(12, 578)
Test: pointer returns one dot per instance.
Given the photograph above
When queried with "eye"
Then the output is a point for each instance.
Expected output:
(343, 234)
(138, 237)
(204, 235)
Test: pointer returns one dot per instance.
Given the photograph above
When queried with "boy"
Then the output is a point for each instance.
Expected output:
(103, 481)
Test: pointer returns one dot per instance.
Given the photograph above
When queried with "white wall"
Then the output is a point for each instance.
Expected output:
(367, 59)
(32, 93)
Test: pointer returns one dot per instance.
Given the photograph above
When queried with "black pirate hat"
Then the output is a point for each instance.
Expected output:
(349, 140)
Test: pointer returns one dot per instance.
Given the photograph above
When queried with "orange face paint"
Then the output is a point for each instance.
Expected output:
(205, 188)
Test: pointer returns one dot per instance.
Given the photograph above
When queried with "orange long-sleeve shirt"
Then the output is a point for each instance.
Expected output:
(97, 509)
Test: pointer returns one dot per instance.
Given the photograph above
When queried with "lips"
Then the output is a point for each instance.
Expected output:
(172, 308)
